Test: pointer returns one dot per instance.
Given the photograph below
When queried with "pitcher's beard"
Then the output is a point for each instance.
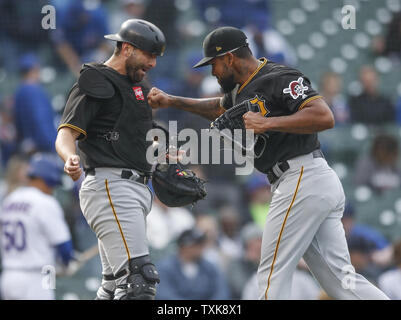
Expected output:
(227, 85)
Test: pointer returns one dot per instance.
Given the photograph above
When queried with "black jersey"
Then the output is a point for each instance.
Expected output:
(278, 90)
(113, 130)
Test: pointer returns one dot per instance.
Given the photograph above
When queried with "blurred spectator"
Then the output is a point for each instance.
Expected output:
(16, 175)
(229, 238)
(259, 196)
(33, 112)
(390, 281)
(8, 132)
(360, 250)
(164, 224)
(330, 88)
(390, 43)
(231, 13)
(20, 30)
(241, 269)
(165, 14)
(272, 45)
(263, 39)
(187, 275)
(371, 107)
(379, 169)
(128, 9)
(358, 230)
(192, 81)
(393, 37)
(34, 233)
(208, 224)
(304, 286)
(381, 250)
(79, 36)
(398, 108)
(220, 192)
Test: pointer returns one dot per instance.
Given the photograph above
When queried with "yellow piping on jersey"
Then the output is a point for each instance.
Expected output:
(264, 60)
(308, 100)
(72, 127)
(281, 231)
(115, 216)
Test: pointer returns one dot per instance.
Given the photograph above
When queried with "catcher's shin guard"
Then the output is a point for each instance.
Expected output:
(142, 279)
(108, 287)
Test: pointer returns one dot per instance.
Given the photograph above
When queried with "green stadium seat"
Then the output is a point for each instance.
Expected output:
(381, 212)
(369, 14)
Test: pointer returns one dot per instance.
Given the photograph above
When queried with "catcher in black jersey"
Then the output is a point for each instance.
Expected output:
(108, 114)
(304, 219)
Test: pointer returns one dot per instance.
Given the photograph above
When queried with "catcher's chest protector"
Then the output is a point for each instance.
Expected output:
(128, 137)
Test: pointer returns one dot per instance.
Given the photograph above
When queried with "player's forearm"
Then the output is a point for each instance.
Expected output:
(306, 121)
(65, 143)
(295, 124)
(208, 108)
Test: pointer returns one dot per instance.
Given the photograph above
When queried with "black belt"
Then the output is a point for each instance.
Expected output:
(125, 174)
(280, 167)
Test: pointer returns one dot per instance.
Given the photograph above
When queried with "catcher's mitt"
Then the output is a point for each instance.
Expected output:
(177, 187)
(232, 118)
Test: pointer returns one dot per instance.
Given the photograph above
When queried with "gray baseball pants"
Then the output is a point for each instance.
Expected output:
(116, 210)
(304, 220)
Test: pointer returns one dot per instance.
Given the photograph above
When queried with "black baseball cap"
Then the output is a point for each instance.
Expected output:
(221, 41)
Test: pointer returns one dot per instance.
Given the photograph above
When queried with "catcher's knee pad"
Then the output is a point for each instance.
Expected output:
(142, 279)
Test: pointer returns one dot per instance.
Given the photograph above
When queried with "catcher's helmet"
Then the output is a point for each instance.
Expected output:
(45, 167)
(141, 34)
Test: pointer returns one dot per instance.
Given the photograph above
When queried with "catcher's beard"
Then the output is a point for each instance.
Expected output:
(134, 68)
(227, 83)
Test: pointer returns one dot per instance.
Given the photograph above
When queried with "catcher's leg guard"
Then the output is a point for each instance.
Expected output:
(141, 282)
(108, 286)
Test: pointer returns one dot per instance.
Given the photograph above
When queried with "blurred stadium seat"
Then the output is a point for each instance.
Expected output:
(325, 18)
(383, 212)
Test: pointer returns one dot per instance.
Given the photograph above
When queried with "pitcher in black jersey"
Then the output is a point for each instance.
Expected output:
(304, 219)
